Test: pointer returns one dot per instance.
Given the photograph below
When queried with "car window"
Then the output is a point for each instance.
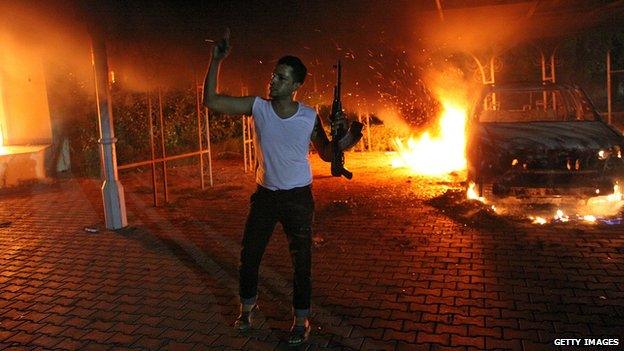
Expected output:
(535, 105)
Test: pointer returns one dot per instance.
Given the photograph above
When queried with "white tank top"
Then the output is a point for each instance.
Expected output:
(282, 146)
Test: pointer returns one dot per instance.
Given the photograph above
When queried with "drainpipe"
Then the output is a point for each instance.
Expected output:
(112, 190)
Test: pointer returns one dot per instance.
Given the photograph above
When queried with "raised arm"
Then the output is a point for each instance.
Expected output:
(219, 102)
(320, 141)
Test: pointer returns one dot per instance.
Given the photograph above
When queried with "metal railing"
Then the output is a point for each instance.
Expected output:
(248, 144)
(153, 161)
(610, 72)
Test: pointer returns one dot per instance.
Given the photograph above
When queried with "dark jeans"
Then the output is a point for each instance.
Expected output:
(294, 209)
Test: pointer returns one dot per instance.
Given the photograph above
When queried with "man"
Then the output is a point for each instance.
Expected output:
(283, 129)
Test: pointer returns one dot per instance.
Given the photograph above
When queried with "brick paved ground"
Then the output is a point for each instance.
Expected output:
(391, 271)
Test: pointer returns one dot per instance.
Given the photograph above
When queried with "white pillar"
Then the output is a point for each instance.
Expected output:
(112, 190)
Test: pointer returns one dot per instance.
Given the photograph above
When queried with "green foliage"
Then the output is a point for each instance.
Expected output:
(75, 111)
(131, 125)
(73, 114)
(180, 129)
(381, 138)
(227, 148)
(224, 127)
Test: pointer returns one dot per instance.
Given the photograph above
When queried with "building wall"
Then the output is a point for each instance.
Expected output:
(26, 117)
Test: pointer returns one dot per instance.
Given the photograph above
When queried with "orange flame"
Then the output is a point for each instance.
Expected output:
(1, 118)
(538, 220)
(439, 155)
(471, 193)
(1, 133)
(603, 206)
(561, 217)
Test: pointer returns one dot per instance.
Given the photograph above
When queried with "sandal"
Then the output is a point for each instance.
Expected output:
(299, 334)
(243, 321)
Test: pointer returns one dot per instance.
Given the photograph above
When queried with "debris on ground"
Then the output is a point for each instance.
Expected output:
(318, 241)
(455, 204)
(340, 204)
(91, 230)
(403, 243)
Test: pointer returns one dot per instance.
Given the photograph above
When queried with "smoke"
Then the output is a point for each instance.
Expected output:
(45, 69)
(486, 31)
(452, 85)
(443, 86)
(476, 30)
(48, 33)
(56, 34)
(145, 65)
(393, 120)
(41, 44)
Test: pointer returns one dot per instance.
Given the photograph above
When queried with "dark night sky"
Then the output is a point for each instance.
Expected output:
(167, 39)
(320, 32)
(381, 43)
(163, 42)
(171, 35)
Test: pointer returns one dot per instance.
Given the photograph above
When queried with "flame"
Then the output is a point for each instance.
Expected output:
(1, 118)
(1, 134)
(439, 155)
(602, 207)
(2, 148)
(471, 193)
(617, 194)
(561, 217)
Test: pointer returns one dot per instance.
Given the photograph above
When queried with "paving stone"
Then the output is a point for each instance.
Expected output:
(122, 339)
(441, 339)
(492, 343)
(402, 346)
(150, 343)
(70, 344)
(5, 334)
(97, 347)
(96, 335)
(411, 277)
(21, 338)
(75, 333)
(370, 344)
(47, 341)
(391, 334)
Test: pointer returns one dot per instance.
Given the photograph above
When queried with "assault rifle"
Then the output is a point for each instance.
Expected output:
(343, 136)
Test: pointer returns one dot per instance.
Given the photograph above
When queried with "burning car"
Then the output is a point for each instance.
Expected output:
(541, 140)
